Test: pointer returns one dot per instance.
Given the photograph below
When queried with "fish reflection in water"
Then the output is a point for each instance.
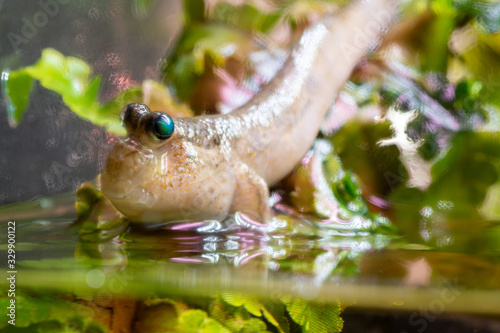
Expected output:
(235, 240)
(287, 244)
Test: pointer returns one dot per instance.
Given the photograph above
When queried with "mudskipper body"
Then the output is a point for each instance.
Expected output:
(209, 166)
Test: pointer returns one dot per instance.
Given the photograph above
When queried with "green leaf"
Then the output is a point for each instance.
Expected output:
(320, 185)
(254, 325)
(44, 312)
(490, 208)
(235, 317)
(378, 167)
(246, 17)
(251, 304)
(436, 43)
(315, 317)
(461, 181)
(481, 58)
(194, 11)
(72, 78)
(17, 87)
(486, 13)
(69, 77)
(310, 191)
(198, 45)
(272, 311)
(298, 12)
(469, 153)
(159, 315)
(197, 321)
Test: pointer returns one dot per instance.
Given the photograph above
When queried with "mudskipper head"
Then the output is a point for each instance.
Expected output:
(134, 166)
(155, 174)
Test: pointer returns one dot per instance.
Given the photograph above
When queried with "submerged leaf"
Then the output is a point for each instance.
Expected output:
(49, 314)
(315, 317)
(251, 304)
(197, 321)
(273, 312)
(231, 311)
(158, 315)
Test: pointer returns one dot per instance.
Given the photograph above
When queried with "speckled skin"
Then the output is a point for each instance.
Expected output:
(218, 164)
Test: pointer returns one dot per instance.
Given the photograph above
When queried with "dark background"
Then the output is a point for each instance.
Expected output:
(52, 150)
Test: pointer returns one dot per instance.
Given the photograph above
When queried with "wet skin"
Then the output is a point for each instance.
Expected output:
(210, 166)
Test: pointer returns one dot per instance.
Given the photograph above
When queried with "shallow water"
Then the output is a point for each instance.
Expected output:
(292, 257)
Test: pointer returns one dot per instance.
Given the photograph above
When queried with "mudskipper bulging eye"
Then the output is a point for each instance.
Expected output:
(131, 115)
(160, 126)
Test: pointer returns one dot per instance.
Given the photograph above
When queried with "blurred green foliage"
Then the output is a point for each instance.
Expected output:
(47, 314)
(74, 81)
(446, 72)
